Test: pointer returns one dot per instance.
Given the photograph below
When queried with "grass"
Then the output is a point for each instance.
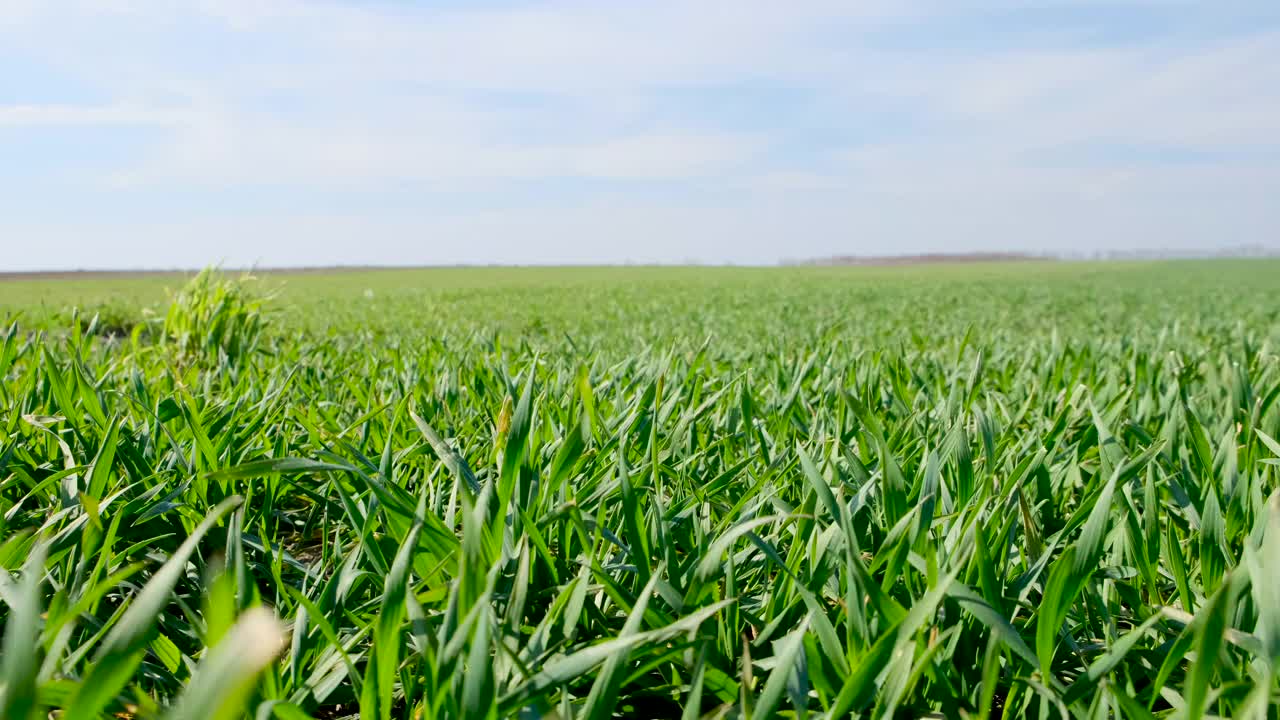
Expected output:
(1028, 490)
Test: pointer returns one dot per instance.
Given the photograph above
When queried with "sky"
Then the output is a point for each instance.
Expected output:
(161, 134)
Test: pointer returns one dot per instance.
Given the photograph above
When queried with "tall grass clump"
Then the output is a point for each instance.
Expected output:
(215, 317)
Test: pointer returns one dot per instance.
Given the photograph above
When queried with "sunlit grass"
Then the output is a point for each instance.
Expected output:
(1043, 490)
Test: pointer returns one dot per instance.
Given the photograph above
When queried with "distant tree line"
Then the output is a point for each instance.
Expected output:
(1238, 251)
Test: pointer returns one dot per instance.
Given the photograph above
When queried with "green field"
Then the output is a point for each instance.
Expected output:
(1019, 490)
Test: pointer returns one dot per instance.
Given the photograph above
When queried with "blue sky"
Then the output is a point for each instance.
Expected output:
(147, 133)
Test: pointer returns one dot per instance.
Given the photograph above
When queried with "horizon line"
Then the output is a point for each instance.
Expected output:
(890, 260)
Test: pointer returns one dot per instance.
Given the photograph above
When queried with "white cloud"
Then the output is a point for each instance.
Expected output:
(85, 115)
(789, 181)
(561, 46)
(231, 150)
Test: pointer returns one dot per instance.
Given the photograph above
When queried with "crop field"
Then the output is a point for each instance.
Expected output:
(1039, 490)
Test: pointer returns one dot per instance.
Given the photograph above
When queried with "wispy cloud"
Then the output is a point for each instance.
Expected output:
(247, 153)
(87, 115)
